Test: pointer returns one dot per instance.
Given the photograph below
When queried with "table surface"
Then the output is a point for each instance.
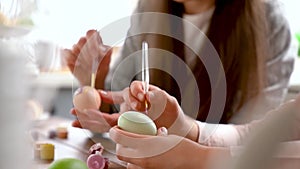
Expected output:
(79, 141)
(75, 146)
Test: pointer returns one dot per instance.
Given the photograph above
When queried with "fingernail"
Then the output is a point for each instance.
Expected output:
(162, 131)
(133, 104)
(140, 96)
(112, 132)
(102, 48)
(103, 92)
(78, 91)
(151, 95)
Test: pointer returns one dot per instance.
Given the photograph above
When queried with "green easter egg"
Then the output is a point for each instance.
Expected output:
(137, 122)
(68, 163)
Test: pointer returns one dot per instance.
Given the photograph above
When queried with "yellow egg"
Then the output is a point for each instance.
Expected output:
(137, 122)
(86, 97)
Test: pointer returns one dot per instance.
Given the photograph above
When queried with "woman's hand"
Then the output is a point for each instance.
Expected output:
(88, 50)
(101, 122)
(94, 120)
(162, 151)
(163, 109)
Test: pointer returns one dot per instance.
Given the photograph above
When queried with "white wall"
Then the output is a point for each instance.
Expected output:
(65, 21)
(292, 11)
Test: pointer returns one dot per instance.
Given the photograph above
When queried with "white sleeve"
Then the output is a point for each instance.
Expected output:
(224, 135)
(220, 135)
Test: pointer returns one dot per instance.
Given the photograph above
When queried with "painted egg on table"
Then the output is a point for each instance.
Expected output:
(137, 122)
(86, 97)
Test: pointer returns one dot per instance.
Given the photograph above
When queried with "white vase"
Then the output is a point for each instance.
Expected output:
(13, 94)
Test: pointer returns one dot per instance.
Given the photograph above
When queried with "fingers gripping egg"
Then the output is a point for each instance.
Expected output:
(137, 122)
(86, 97)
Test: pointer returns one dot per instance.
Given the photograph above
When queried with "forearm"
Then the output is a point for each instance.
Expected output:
(185, 126)
(218, 157)
(209, 158)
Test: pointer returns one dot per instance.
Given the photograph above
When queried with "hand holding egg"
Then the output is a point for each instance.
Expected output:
(86, 97)
(137, 122)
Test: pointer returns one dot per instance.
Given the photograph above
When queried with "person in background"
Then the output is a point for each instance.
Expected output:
(251, 37)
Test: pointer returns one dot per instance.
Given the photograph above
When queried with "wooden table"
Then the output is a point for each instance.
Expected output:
(75, 146)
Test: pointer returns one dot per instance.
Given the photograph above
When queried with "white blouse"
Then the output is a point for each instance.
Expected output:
(201, 21)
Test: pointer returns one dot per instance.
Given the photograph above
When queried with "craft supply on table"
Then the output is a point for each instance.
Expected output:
(44, 151)
(95, 159)
(62, 132)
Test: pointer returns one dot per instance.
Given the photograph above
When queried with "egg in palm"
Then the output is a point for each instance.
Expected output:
(86, 97)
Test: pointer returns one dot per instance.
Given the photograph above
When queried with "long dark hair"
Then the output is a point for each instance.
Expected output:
(242, 49)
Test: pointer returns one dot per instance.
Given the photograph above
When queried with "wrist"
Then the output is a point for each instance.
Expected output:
(194, 132)
(185, 126)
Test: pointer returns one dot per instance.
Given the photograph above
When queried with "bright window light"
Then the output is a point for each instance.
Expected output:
(65, 21)
(292, 11)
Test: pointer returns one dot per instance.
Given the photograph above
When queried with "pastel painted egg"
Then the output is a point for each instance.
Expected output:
(68, 163)
(86, 97)
(137, 122)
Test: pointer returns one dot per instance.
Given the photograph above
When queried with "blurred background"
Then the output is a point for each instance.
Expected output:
(45, 27)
